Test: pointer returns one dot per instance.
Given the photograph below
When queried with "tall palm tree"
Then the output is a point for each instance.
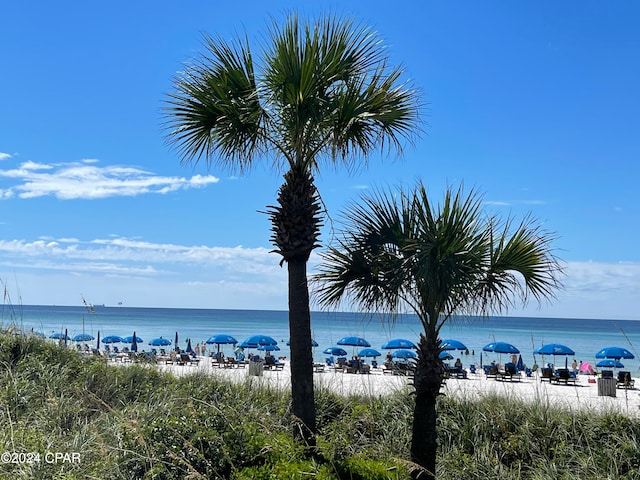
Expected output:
(401, 252)
(320, 92)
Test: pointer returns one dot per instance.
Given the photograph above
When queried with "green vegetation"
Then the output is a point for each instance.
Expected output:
(135, 422)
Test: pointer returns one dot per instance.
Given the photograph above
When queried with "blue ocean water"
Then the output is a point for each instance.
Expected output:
(584, 336)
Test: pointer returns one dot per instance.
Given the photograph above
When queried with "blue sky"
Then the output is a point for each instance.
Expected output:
(535, 104)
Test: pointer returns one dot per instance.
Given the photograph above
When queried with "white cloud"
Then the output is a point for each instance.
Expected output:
(88, 180)
(4, 156)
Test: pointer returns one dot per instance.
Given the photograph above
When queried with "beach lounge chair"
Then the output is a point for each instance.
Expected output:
(546, 374)
(491, 371)
(510, 373)
(565, 376)
(624, 380)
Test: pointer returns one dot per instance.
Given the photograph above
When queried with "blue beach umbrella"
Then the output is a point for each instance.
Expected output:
(452, 345)
(112, 339)
(256, 340)
(369, 352)
(445, 355)
(130, 339)
(337, 351)
(82, 337)
(402, 353)
(615, 352)
(222, 339)
(500, 347)
(59, 336)
(175, 343)
(160, 342)
(268, 348)
(354, 342)
(555, 349)
(189, 349)
(398, 343)
(609, 363)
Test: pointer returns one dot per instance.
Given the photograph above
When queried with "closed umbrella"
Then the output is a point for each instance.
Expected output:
(134, 342)
(189, 349)
(175, 343)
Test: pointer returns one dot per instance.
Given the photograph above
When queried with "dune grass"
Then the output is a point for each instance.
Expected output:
(137, 422)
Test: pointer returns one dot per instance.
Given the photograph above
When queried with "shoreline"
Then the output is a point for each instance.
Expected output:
(580, 397)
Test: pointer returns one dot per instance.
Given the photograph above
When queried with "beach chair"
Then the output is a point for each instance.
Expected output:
(472, 368)
(624, 380)
(490, 371)
(546, 374)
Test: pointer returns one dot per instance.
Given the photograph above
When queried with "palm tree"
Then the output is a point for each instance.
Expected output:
(401, 252)
(322, 92)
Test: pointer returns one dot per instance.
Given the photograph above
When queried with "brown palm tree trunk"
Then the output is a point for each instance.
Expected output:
(427, 382)
(302, 397)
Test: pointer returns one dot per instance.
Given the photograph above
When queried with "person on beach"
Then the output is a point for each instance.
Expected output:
(574, 366)
(458, 363)
(197, 350)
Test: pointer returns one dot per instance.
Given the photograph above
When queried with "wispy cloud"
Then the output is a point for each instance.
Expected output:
(4, 156)
(88, 180)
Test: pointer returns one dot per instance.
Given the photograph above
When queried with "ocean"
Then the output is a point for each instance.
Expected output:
(584, 336)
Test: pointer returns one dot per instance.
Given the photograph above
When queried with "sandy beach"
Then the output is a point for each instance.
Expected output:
(579, 396)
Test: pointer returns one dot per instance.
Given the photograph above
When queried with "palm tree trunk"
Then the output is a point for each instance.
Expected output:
(302, 397)
(427, 382)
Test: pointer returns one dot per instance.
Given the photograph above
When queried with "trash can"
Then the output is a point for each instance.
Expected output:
(256, 369)
(606, 387)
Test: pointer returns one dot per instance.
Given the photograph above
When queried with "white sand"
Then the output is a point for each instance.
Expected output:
(579, 396)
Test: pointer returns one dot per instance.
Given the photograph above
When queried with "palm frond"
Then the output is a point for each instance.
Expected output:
(215, 110)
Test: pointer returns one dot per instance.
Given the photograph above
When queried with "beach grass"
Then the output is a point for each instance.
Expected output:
(139, 422)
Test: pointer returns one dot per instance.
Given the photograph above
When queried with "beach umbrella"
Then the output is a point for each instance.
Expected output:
(256, 340)
(369, 352)
(130, 339)
(222, 339)
(452, 345)
(555, 349)
(268, 348)
(615, 352)
(398, 343)
(189, 349)
(354, 342)
(58, 336)
(98, 341)
(444, 355)
(402, 353)
(609, 363)
(112, 339)
(175, 343)
(82, 337)
(500, 347)
(160, 342)
(337, 351)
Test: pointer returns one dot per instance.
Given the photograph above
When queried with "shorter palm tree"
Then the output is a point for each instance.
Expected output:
(401, 252)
